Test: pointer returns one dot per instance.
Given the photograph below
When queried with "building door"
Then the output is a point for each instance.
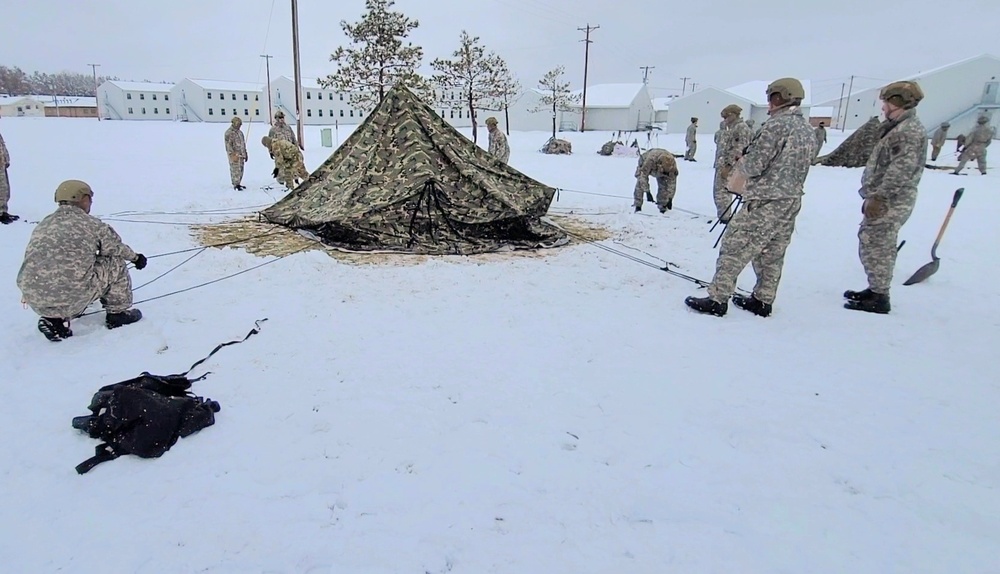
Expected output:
(990, 93)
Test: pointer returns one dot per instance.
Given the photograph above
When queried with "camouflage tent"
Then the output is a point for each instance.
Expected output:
(854, 151)
(407, 181)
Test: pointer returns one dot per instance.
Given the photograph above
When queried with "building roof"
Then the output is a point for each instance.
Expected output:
(226, 85)
(140, 86)
(821, 112)
(610, 95)
(307, 83)
(9, 100)
(755, 92)
(918, 75)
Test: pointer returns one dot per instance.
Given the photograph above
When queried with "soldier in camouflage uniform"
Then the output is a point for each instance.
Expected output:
(770, 177)
(662, 165)
(236, 149)
(289, 167)
(498, 141)
(691, 140)
(280, 130)
(938, 139)
(718, 138)
(732, 141)
(976, 143)
(752, 125)
(5, 216)
(74, 259)
(820, 137)
(889, 189)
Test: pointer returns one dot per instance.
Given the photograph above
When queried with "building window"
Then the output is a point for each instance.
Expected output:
(256, 97)
(211, 111)
(309, 113)
(246, 112)
(156, 110)
(154, 96)
(451, 114)
(341, 113)
(321, 113)
(143, 111)
(352, 113)
(209, 95)
(166, 111)
(142, 96)
(329, 95)
(245, 97)
(331, 113)
(309, 95)
(166, 97)
(222, 111)
(234, 97)
(128, 96)
(130, 110)
(256, 112)
(341, 97)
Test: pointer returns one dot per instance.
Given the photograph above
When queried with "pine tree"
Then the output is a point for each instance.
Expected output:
(506, 91)
(474, 72)
(556, 96)
(377, 58)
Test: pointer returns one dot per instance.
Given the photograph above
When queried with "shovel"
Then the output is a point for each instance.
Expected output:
(932, 267)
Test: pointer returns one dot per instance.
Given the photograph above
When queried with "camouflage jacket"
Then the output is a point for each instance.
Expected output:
(282, 131)
(285, 152)
(778, 158)
(652, 162)
(689, 137)
(733, 140)
(58, 267)
(940, 136)
(4, 154)
(498, 145)
(981, 136)
(235, 143)
(896, 164)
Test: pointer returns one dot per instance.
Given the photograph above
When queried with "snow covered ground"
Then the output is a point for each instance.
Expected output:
(564, 413)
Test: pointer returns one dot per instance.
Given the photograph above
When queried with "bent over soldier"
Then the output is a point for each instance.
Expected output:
(889, 190)
(976, 143)
(74, 259)
(770, 177)
(662, 165)
(289, 168)
(236, 150)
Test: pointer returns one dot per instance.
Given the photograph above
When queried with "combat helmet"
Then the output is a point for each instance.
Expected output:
(904, 94)
(73, 190)
(789, 89)
(983, 120)
(731, 110)
(491, 120)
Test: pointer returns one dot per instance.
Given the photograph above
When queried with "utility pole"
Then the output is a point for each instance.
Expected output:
(694, 87)
(298, 71)
(97, 101)
(267, 65)
(684, 86)
(645, 72)
(586, 62)
(840, 107)
(848, 104)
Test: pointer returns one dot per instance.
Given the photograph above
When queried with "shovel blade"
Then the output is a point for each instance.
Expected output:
(924, 272)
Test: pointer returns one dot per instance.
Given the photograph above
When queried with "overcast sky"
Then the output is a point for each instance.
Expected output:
(714, 42)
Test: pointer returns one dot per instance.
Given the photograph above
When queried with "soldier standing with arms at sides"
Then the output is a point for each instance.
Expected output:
(733, 139)
(236, 149)
(691, 139)
(498, 141)
(5, 216)
(937, 141)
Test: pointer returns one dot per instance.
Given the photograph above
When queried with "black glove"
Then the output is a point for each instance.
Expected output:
(272, 156)
(140, 261)
(274, 173)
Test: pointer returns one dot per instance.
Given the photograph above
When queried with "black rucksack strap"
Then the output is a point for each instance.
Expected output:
(102, 453)
(252, 332)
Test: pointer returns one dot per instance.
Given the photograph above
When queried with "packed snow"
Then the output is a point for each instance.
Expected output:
(563, 412)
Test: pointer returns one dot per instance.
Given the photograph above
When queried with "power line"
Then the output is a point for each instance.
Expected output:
(586, 63)
(645, 72)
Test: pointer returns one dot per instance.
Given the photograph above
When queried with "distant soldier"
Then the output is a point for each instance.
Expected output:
(717, 137)
(959, 143)
(938, 139)
(236, 149)
(74, 259)
(770, 177)
(498, 140)
(752, 125)
(820, 137)
(976, 143)
(5, 217)
(691, 139)
(289, 167)
(732, 141)
(280, 130)
(889, 188)
(662, 165)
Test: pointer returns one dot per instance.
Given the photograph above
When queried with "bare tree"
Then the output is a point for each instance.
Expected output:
(505, 93)
(377, 58)
(556, 95)
(474, 72)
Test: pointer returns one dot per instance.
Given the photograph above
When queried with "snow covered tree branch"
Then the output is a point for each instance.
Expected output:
(473, 72)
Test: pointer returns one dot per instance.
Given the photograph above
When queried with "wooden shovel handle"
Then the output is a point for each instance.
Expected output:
(944, 225)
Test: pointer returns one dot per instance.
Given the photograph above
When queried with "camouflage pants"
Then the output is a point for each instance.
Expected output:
(666, 188)
(759, 233)
(691, 149)
(972, 152)
(935, 151)
(877, 246)
(723, 199)
(4, 191)
(110, 284)
(236, 172)
(289, 171)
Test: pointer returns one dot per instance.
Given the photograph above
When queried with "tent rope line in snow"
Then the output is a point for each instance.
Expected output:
(558, 189)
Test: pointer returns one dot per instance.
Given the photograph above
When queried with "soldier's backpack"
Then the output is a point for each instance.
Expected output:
(145, 416)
